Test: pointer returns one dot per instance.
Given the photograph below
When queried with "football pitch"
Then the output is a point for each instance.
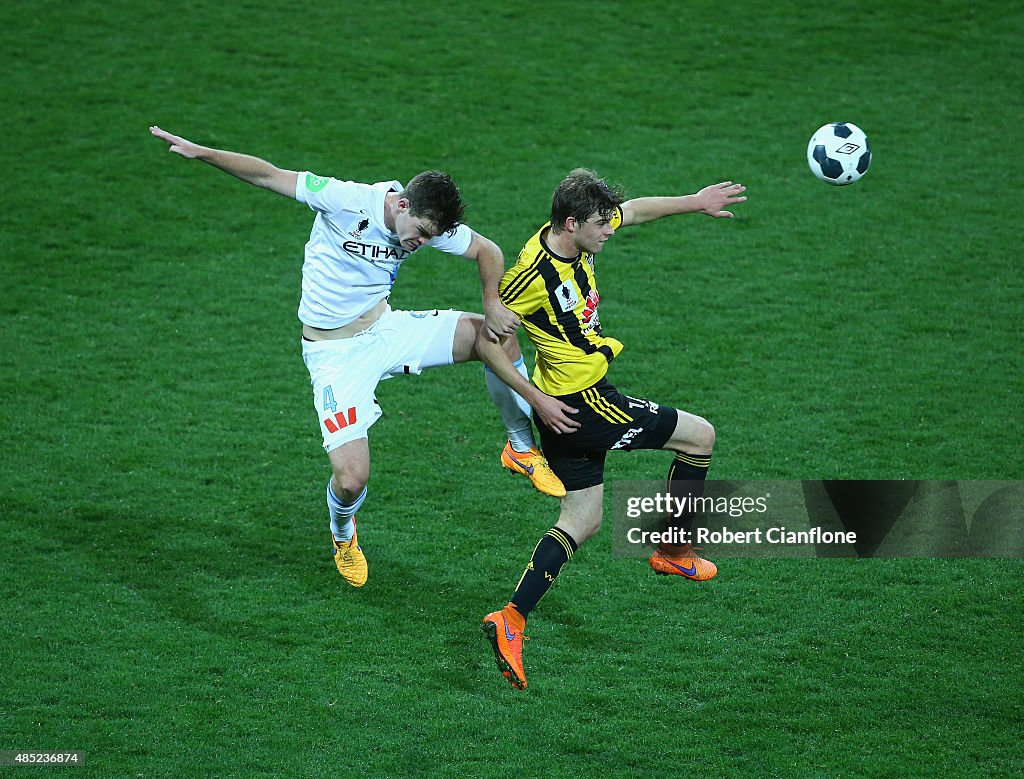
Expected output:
(170, 606)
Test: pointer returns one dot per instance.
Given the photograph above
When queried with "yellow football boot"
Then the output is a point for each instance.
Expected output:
(349, 558)
(533, 465)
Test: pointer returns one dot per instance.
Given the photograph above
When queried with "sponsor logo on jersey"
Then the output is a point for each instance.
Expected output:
(591, 319)
(590, 309)
(375, 252)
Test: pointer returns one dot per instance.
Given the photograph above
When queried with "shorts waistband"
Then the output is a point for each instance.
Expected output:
(372, 328)
(600, 385)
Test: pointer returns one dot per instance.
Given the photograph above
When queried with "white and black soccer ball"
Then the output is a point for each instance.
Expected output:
(839, 153)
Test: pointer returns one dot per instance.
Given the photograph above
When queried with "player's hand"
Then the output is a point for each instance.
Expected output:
(499, 321)
(556, 414)
(715, 198)
(178, 145)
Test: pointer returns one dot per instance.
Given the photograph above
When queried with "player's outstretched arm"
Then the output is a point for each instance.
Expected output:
(555, 413)
(499, 320)
(253, 170)
(712, 200)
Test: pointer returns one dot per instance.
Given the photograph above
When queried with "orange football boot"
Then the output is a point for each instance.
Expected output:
(504, 629)
(687, 564)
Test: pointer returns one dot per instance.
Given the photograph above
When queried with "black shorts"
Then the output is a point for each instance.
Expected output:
(608, 420)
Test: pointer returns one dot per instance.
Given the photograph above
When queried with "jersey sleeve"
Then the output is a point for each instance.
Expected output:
(616, 221)
(453, 243)
(322, 193)
(522, 290)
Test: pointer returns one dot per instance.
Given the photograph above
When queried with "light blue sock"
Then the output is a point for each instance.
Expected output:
(342, 526)
(515, 412)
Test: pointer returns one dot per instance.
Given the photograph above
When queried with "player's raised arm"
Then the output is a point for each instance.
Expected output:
(500, 322)
(712, 200)
(253, 170)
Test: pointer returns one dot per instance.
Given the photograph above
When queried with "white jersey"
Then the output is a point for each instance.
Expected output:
(351, 256)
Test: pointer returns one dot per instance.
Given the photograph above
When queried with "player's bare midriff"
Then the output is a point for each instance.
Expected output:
(356, 326)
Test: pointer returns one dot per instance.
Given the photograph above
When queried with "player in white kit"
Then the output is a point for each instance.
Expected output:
(352, 339)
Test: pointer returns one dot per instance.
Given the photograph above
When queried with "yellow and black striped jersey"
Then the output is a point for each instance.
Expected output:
(556, 298)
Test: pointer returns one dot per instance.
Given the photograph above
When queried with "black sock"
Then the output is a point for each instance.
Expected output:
(686, 477)
(553, 551)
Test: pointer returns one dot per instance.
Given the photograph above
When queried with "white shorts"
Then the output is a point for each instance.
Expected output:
(345, 372)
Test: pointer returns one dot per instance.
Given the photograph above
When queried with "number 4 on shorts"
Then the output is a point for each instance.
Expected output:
(329, 404)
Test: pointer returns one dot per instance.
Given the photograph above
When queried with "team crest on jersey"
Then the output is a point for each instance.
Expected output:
(568, 297)
(358, 232)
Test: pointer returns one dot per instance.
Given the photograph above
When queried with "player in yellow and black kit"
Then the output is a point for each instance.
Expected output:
(580, 415)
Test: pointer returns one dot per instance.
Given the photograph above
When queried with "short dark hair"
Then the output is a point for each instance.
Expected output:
(582, 194)
(432, 195)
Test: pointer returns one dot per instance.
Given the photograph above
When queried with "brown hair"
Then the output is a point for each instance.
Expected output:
(581, 195)
(432, 195)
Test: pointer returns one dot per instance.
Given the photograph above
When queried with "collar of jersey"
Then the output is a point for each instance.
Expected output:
(552, 255)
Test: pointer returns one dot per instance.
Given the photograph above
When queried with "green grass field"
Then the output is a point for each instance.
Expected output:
(169, 603)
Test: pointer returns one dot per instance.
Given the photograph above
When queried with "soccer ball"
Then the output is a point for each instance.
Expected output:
(839, 153)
